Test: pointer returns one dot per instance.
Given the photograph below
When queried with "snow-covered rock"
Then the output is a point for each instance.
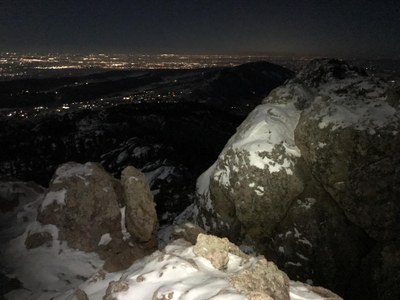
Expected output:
(180, 270)
(95, 212)
(309, 172)
(82, 201)
(348, 138)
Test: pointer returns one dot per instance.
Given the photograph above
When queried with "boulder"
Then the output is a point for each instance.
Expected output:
(141, 216)
(348, 138)
(89, 208)
(254, 181)
(82, 201)
(312, 176)
(315, 241)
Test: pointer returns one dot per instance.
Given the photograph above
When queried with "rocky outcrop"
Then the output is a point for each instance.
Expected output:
(212, 268)
(94, 212)
(348, 138)
(201, 267)
(312, 176)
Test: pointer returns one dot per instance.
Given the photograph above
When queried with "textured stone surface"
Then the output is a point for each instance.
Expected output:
(82, 203)
(312, 178)
(316, 241)
(188, 232)
(263, 278)
(216, 250)
(115, 287)
(141, 216)
(259, 281)
(361, 171)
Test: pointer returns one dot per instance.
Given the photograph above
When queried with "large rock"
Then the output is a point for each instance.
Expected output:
(254, 181)
(312, 176)
(348, 136)
(141, 216)
(89, 208)
(82, 201)
(316, 242)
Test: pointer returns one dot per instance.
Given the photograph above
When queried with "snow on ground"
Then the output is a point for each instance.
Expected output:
(177, 273)
(44, 271)
(55, 271)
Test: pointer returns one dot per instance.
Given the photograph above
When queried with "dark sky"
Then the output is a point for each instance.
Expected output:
(308, 27)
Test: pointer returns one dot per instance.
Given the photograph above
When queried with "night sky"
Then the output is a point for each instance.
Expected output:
(353, 28)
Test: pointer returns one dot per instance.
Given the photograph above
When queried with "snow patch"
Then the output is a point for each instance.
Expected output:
(105, 239)
(268, 129)
(125, 234)
(259, 190)
(51, 197)
(298, 291)
(363, 105)
(203, 187)
(77, 170)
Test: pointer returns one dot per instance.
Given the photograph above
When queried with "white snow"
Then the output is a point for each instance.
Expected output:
(363, 106)
(177, 273)
(55, 271)
(269, 129)
(45, 271)
(203, 185)
(125, 234)
(298, 291)
(54, 196)
(259, 190)
(305, 242)
(105, 239)
(77, 170)
(268, 126)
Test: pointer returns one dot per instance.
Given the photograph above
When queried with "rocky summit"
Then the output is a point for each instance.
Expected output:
(312, 179)
(91, 236)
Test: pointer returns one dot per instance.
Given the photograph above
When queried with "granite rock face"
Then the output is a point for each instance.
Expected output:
(312, 176)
